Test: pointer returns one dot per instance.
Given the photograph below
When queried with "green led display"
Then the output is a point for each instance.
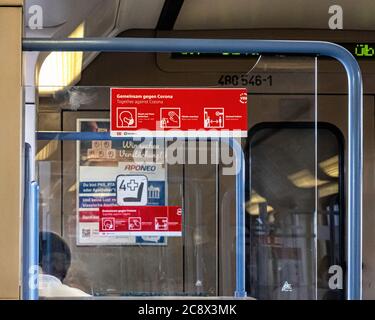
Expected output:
(201, 55)
(359, 50)
(364, 50)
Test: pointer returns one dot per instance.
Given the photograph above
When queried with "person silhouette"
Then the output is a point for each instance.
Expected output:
(54, 263)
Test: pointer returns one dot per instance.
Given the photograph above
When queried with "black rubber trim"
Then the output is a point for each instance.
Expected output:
(169, 14)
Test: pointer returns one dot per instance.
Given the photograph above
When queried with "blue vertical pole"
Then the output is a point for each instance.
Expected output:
(240, 219)
(30, 240)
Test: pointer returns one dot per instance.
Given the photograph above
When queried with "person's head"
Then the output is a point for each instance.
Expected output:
(54, 255)
(90, 126)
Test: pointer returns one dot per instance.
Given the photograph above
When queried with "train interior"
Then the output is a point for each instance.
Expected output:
(296, 150)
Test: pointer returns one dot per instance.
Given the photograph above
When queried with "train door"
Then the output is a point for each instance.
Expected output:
(295, 186)
(273, 244)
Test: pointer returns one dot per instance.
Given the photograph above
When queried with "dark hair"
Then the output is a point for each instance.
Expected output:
(54, 254)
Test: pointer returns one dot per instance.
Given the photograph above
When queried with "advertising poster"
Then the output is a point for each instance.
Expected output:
(109, 175)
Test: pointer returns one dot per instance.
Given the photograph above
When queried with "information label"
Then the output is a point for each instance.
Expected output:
(141, 221)
(179, 112)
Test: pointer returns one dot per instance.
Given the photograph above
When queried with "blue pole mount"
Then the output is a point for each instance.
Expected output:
(318, 48)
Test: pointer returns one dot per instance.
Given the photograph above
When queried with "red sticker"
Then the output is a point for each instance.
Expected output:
(174, 112)
(89, 216)
(140, 220)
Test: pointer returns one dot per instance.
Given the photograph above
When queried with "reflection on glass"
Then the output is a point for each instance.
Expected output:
(130, 266)
(286, 257)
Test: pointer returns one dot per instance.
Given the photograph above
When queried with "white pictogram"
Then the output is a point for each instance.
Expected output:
(126, 117)
(108, 224)
(170, 118)
(153, 192)
(131, 190)
(135, 223)
(214, 118)
(287, 287)
(161, 223)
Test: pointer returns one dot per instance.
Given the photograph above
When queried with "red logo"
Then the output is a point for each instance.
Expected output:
(243, 98)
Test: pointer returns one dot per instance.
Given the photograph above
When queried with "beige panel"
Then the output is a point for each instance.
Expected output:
(10, 162)
(11, 2)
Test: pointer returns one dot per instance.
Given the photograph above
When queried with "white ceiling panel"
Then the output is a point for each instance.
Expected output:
(139, 14)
